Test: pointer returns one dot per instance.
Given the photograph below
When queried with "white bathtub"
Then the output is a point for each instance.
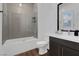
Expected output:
(19, 45)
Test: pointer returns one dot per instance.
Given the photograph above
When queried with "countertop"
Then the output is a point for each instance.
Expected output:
(66, 37)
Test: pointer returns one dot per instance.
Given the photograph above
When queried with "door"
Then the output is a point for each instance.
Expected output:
(18, 19)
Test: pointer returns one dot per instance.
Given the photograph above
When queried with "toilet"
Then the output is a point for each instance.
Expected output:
(43, 46)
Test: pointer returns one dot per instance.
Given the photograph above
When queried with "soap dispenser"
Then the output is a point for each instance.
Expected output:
(76, 33)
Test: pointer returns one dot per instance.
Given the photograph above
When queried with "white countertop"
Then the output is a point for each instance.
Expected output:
(66, 37)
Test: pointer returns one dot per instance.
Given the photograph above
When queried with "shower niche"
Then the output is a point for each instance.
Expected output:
(19, 20)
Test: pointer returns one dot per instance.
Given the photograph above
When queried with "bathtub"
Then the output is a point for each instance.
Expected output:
(19, 45)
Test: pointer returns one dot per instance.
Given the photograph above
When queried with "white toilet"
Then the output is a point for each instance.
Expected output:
(43, 46)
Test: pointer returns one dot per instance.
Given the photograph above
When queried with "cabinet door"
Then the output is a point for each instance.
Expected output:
(55, 49)
(70, 52)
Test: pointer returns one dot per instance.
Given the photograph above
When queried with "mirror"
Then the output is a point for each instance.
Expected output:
(68, 16)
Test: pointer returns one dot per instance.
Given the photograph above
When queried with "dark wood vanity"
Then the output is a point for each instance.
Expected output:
(61, 47)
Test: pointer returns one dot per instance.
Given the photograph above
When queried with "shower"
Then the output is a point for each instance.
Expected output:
(19, 20)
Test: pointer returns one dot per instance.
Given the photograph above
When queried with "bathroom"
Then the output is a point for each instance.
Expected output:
(12, 43)
(28, 27)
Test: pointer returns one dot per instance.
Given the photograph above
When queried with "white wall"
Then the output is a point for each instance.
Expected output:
(47, 16)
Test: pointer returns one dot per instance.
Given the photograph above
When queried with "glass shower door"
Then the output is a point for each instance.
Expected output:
(19, 20)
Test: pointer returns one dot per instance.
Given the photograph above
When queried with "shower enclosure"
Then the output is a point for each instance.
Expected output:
(19, 20)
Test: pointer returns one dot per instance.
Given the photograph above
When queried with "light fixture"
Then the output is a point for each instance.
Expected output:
(20, 4)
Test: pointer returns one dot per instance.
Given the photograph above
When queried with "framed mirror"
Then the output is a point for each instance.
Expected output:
(68, 16)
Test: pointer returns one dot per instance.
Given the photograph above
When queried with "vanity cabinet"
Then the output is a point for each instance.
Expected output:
(61, 47)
